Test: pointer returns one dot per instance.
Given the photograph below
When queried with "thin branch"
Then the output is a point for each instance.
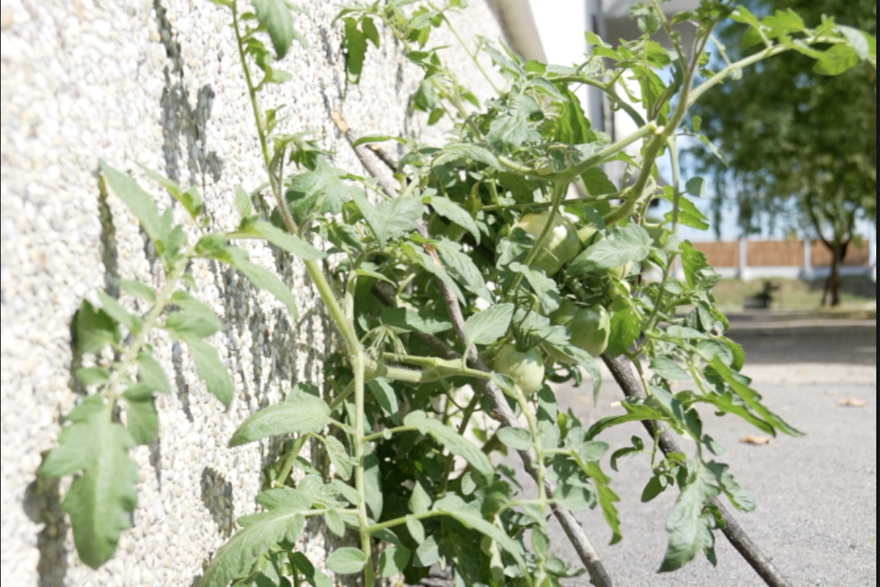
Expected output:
(735, 533)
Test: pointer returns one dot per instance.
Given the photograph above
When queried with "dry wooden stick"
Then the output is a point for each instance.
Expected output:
(570, 525)
(735, 534)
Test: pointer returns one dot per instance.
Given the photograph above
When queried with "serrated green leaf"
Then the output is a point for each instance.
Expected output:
(668, 369)
(283, 240)
(458, 151)
(284, 498)
(515, 438)
(435, 115)
(93, 375)
(243, 203)
(334, 522)
(210, 368)
(696, 186)
(634, 412)
(489, 325)
(543, 287)
(862, 43)
(191, 199)
(654, 487)
(346, 560)
(371, 214)
(399, 216)
(355, 50)
(138, 290)
(260, 277)
(373, 485)
(323, 186)
(607, 499)
(301, 413)
(428, 552)
(415, 529)
(142, 419)
(342, 461)
(510, 130)
(194, 318)
(275, 16)
(592, 450)
(433, 267)
(393, 560)
(348, 492)
(138, 201)
(455, 443)
(751, 398)
(738, 496)
(629, 244)
(151, 373)
(574, 497)
(94, 329)
(377, 139)
(383, 393)
(625, 329)
(102, 498)
(455, 213)
(462, 268)
(419, 500)
(472, 519)
(688, 213)
(586, 361)
(235, 558)
(688, 531)
(119, 313)
(597, 182)
(837, 60)
(409, 319)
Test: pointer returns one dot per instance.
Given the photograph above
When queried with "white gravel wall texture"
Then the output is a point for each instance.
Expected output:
(155, 82)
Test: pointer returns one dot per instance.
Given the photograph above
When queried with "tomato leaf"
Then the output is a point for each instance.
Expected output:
(101, 500)
(489, 325)
(210, 368)
(689, 531)
(301, 412)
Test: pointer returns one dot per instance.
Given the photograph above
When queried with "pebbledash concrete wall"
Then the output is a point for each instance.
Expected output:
(156, 82)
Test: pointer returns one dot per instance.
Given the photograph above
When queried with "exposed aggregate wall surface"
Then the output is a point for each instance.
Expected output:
(158, 83)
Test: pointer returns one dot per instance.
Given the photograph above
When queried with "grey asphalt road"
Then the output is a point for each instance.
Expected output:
(816, 517)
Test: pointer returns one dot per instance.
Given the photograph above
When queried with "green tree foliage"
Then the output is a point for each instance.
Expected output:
(797, 137)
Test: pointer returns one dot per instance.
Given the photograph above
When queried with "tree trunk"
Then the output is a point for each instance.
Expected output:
(831, 295)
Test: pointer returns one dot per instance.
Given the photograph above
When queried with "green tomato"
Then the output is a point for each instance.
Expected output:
(590, 328)
(526, 368)
(560, 246)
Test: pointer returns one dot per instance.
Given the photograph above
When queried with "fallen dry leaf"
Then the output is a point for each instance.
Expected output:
(755, 439)
(851, 402)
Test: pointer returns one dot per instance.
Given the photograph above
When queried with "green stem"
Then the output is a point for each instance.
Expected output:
(360, 444)
(473, 55)
(558, 193)
(575, 170)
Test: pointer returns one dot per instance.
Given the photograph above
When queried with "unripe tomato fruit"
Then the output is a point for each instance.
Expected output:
(560, 246)
(590, 328)
(526, 368)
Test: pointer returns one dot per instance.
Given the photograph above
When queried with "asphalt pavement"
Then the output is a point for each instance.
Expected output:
(817, 516)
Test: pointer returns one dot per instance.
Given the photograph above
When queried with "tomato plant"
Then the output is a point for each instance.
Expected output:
(426, 277)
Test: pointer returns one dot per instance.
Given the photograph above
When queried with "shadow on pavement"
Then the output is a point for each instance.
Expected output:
(788, 337)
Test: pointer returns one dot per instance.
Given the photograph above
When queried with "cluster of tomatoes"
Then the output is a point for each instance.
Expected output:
(589, 325)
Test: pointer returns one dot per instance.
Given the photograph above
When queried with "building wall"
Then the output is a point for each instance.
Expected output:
(156, 82)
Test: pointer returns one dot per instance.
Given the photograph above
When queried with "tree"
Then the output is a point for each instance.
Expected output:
(799, 146)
